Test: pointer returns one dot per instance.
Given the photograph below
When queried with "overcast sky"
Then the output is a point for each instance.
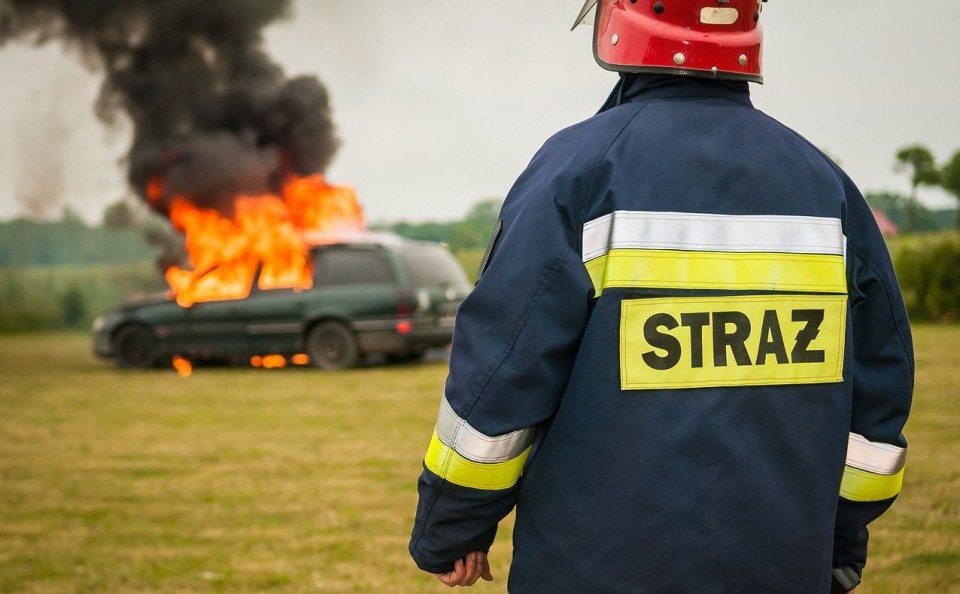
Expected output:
(441, 104)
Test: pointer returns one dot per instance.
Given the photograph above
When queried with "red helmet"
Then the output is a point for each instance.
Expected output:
(711, 38)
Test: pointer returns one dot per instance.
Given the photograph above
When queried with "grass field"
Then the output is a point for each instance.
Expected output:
(248, 480)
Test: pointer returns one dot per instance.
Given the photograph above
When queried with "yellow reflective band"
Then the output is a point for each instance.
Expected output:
(446, 463)
(754, 340)
(860, 485)
(670, 269)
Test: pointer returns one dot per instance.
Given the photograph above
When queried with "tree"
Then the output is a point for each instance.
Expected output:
(119, 215)
(71, 218)
(73, 307)
(950, 181)
(471, 232)
(485, 212)
(919, 162)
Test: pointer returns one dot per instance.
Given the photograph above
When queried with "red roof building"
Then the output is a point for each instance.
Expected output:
(887, 227)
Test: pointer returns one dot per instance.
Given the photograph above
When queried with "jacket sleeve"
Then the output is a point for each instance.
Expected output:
(515, 341)
(882, 370)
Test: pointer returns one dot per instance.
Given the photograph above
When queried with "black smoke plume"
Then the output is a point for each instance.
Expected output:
(212, 114)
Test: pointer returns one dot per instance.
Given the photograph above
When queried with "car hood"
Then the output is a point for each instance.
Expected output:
(145, 300)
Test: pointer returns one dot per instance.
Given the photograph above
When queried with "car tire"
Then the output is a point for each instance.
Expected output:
(135, 348)
(331, 346)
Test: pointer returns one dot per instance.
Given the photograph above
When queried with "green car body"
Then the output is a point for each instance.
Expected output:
(372, 294)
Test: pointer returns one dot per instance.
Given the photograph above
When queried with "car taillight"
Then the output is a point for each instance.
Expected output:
(406, 306)
(406, 303)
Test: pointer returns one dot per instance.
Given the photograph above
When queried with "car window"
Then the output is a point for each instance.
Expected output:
(336, 266)
(432, 265)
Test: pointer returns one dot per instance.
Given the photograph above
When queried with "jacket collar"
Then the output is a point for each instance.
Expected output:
(639, 87)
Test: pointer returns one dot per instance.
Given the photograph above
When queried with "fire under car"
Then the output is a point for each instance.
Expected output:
(371, 294)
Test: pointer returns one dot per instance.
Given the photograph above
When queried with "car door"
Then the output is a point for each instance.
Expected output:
(273, 320)
(215, 329)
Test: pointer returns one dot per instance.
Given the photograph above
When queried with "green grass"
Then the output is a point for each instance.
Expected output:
(248, 480)
(916, 546)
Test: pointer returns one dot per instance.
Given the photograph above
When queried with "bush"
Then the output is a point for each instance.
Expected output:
(55, 297)
(928, 268)
(470, 261)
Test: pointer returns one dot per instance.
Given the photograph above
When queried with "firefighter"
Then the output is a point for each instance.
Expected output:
(686, 362)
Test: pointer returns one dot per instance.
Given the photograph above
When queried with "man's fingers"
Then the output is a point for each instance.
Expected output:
(474, 567)
(485, 568)
(454, 577)
(467, 571)
(448, 579)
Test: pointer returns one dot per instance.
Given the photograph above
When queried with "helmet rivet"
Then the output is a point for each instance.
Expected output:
(658, 7)
(615, 39)
(743, 60)
(679, 59)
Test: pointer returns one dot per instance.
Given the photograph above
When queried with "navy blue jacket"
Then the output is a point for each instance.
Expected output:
(686, 363)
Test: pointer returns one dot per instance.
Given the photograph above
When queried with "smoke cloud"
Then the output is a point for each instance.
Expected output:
(41, 180)
(212, 114)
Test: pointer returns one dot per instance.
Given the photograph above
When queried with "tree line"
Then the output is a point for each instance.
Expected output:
(471, 232)
(62, 273)
(919, 163)
(70, 241)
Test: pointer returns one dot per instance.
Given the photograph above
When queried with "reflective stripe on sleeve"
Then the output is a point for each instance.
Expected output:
(873, 471)
(474, 445)
(875, 457)
(709, 251)
(445, 462)
(464, 456)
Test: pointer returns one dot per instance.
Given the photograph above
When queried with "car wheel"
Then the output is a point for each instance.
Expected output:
(135, 348)
(331, 345)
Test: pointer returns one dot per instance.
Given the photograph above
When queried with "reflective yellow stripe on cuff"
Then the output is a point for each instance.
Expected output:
(860, 485)
(446, 463)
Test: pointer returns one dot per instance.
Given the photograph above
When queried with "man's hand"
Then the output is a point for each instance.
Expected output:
(467, 571)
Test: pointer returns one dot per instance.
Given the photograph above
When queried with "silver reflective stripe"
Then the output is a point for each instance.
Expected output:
(875, 457)
(712, 233)
(457, 434)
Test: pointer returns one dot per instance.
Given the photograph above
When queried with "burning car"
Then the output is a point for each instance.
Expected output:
(370, 294)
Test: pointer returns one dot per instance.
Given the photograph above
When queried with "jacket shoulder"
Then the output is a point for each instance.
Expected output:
(592, 136)
(567, 164)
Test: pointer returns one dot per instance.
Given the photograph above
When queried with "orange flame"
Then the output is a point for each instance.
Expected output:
(268, 361)
(183, 366)
(266, 233)
(274, 362)
(300, 359)
(155, 189)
